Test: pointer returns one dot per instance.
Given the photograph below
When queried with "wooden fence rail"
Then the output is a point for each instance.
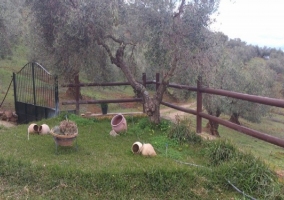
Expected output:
(198, 112)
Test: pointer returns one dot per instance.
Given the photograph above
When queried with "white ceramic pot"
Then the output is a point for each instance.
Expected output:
(33, 128)
(44, 129)
(136, 147)
(148, 150)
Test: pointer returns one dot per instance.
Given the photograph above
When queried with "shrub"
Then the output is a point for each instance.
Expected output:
(220, 151)
(242, 170)
(182, 133)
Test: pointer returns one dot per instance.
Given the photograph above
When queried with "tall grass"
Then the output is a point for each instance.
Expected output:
(248, 173)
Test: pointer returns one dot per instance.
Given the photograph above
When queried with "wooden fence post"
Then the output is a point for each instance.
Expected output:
(199, 105)
(77, 93)
(157, 80)
(56, 95)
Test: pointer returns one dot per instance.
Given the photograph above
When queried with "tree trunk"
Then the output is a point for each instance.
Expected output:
(155, 117)
(235, 118)
(213, 126)
(151, 105)
(71, 91)
(152, 109)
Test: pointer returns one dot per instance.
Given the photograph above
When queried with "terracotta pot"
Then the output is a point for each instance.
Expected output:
(33, 128)
(136, 147)
(118, 123)
(44, 129)
(148, 150)
(63, 140)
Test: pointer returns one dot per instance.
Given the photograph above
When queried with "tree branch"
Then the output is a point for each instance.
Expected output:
(73, 4)
(180, 9)
(112, 58)
(121, 42)
(114, 39)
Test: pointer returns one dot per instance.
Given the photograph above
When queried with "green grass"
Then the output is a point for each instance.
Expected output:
(104, 167)
(272, 125)
(16, 61)
(7, 66)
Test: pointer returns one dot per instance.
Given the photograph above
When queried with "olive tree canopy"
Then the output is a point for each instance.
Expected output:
(10, 25)
(167, 33)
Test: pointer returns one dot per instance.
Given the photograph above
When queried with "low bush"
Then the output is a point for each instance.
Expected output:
(181, 132)
(234, 168)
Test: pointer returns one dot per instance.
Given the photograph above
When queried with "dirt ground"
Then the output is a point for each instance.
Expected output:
(171, 114)
(7, 124)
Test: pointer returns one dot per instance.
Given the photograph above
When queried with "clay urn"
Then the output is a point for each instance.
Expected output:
(44, 129)
(148, 150)
(136, 147)
(118, 123)
(33, 128)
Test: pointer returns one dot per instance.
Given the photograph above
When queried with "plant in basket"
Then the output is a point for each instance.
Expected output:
(65, 133)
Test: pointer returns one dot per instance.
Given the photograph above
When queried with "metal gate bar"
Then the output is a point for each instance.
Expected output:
(35, 93)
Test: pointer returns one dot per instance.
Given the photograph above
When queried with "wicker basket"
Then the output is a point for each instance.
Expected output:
(64, 140)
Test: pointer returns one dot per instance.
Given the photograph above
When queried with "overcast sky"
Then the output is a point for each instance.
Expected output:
(257, 22)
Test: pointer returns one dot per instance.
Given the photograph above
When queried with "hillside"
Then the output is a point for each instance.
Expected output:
(271, 124)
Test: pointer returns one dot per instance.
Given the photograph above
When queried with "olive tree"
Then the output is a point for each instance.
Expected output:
(234, 66)
(169, 32)
(255, 78)
(10, 25)
(216, 70)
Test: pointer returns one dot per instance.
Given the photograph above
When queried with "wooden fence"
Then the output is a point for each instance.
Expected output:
(198, 112)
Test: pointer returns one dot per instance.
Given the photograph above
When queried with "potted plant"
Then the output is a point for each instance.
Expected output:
(65, 133)
(104, 107)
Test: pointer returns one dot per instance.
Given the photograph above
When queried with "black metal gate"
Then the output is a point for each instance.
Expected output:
(35, 93)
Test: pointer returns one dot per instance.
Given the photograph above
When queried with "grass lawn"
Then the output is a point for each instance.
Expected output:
(104, 167)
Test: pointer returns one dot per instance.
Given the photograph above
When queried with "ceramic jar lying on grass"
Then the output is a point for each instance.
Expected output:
(41, 130)
(144, 149)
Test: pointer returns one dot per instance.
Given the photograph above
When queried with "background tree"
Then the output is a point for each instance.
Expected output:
(215, 67)
(234, 66)
(10, 25)
(252, 78)
(275, 62)
(59, 40)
